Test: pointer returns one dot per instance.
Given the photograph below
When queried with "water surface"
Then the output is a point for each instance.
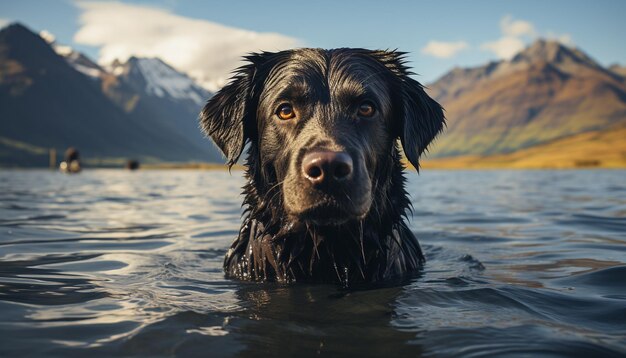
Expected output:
(130, 263)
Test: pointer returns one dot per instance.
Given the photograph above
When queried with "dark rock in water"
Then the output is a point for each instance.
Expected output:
(71, 154)
(71, 162)
(132, 164)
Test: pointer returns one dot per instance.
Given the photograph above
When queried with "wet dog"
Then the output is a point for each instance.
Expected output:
(325, 198)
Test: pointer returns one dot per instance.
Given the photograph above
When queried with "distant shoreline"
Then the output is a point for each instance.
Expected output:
(463, 163)
(455, 163)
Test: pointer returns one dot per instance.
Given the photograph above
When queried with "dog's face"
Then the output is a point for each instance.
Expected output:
(323, 128)
(323, 124)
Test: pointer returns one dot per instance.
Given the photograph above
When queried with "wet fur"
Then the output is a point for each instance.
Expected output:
(273, 246)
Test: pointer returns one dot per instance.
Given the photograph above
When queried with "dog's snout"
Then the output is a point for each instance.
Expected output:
(321, 167)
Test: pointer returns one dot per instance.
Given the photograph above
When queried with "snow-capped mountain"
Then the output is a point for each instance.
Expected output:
(174, 97)
(148, 76)
(80, 62)
(156, 78)
(149, 91)
(80, 111)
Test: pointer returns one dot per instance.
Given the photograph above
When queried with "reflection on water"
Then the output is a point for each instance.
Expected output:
(110, 262)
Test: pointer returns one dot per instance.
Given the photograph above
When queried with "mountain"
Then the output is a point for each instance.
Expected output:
(80, 62)
(545, 92)
(149, 88)
(53, 101)
(173, 96)
(156, 78)
(618, 69)
(125, 97)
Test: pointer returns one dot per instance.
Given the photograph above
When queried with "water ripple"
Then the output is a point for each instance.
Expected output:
(522, 263)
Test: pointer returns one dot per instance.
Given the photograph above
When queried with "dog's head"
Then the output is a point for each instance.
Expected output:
(322, 126)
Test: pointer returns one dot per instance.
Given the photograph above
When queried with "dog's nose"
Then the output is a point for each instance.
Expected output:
(327, 167)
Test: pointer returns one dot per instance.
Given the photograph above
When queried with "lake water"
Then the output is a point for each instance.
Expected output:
(130, 263)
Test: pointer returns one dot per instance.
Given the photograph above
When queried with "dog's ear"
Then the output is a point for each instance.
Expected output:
(228, 117)
(422, 117)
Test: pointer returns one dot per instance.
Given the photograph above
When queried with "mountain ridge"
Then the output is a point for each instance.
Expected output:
(36, 80)
(173, 96)
(546, 91)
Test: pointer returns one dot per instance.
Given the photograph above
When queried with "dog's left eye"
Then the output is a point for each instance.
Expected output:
(285, 111)
(366, 109)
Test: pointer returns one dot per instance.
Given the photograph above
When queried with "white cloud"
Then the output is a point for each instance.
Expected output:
(565, 39)
(516, 28)
(505, 47)
(444, 49)
(515, 35)
(4, 22)
(206, 50)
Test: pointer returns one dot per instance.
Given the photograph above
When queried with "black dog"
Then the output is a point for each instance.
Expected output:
(325, 193)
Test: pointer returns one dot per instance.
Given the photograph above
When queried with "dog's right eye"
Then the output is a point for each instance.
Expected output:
(285, 111)
(366, 109)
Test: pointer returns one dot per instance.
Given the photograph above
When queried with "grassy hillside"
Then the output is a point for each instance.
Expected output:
(595, 149)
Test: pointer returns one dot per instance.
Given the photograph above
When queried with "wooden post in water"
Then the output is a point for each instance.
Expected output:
(53, 158)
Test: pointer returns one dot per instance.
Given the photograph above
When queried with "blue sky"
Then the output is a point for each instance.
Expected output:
(465, 33)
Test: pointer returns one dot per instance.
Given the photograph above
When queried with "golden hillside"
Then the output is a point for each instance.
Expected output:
(595, 149)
